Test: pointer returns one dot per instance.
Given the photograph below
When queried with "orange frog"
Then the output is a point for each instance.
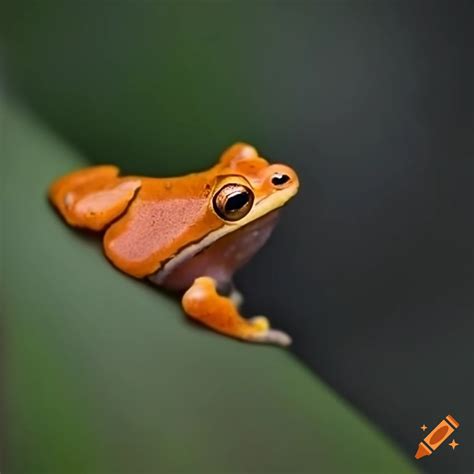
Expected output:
(189, 233)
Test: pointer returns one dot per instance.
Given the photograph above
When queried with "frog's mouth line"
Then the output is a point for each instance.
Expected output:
(262, 207)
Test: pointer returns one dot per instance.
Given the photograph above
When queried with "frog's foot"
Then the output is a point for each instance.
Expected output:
(203, 303)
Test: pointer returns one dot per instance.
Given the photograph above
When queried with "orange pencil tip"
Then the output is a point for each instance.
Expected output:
(422, 451)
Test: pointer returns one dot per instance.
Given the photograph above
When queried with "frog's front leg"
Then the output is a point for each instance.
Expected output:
(202, 303)
(226, 287)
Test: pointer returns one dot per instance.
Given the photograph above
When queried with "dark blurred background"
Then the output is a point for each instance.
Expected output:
(371, 269)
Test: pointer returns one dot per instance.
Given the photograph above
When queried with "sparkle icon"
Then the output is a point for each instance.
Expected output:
(453, 444)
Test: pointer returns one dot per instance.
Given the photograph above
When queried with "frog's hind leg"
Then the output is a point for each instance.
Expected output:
(93, 197)
(202, 303)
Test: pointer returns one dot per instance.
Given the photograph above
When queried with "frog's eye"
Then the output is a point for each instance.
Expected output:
(233, 201)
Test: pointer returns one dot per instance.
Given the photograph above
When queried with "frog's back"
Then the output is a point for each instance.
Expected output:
(165, 217)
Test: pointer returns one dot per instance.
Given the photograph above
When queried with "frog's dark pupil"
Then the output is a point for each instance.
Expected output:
(280, 179)
(236, 202)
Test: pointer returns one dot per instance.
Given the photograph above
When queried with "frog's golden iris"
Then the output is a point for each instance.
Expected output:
(233, 201)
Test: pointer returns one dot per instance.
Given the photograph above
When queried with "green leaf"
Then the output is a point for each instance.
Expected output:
(104, 373)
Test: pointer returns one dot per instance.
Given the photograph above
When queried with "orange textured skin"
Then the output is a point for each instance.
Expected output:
(150, 221)
(163, 214)
(93, 197)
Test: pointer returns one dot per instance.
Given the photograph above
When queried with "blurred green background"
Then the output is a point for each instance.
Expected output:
(366, 101)
(103, 374)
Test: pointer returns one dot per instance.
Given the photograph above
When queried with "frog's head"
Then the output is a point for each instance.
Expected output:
(247, 187)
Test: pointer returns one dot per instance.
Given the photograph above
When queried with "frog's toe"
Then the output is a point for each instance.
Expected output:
(260, 323)
(267, 335)
(236, 297)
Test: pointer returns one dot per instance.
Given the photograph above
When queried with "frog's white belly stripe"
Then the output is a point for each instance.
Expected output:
(260, 209)
(159, 276)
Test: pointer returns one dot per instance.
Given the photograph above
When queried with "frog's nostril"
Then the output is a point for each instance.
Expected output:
(279, 179)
